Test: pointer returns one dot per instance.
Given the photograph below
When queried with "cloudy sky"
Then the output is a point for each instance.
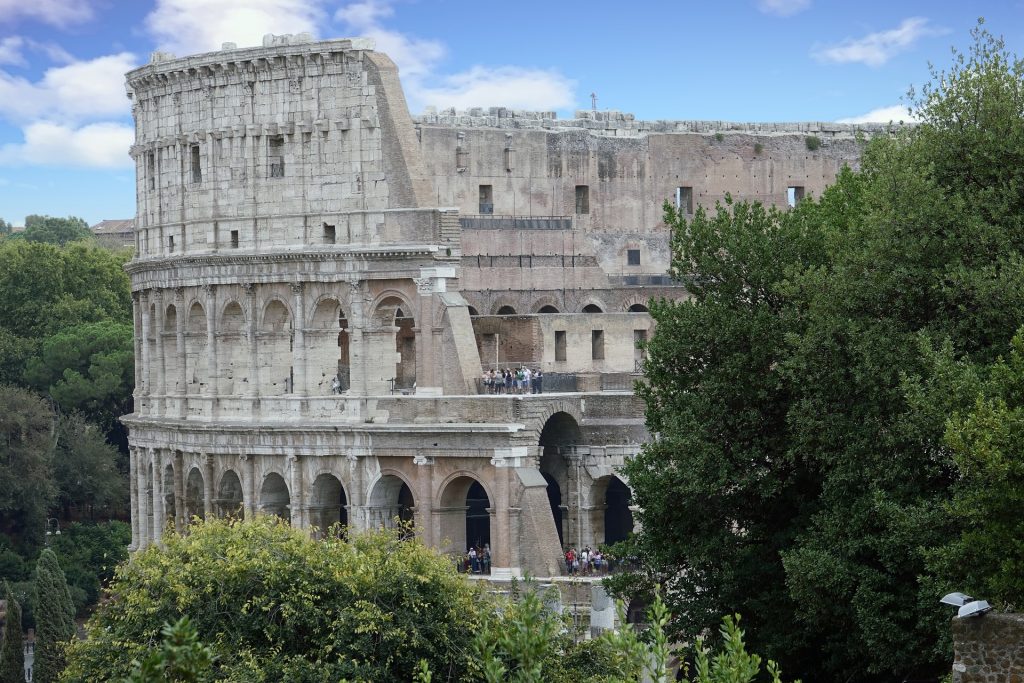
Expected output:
(65, 124)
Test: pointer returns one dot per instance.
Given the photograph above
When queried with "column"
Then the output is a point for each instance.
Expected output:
(253, 387)
(249, 485)
(210, 303)
(426, 380)
(181, 383)
(133, 485)
(298, 340)
(208, 489)
(159, 518)
(180, 521)
(137, 323)
(144, 304)
(296, 494)
(142, 497)
(424, 497)
(159, 385)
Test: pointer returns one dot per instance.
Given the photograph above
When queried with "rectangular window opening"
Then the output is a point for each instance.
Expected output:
(639, 339)
(684, 199)
(794, 195)
(330, 236)
(633, 257)
(582, 199)
(170, 243)
(275, 156)
(486, 199)
(559, 345)
(597, 344)
(197, 170)
(151, 169)
(234, 239)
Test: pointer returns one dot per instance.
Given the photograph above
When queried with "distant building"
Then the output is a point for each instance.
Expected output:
(120, 232)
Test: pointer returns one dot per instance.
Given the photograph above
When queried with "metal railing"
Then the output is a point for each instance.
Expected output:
(499, 222)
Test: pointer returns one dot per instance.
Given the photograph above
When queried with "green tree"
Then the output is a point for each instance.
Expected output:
(800, 472)
(27, 488)
(87, 470)
(12, 654)
(52, 230)
(5, 228)
(181, 658)
(55, 618)
(91, 553)
(272, 604)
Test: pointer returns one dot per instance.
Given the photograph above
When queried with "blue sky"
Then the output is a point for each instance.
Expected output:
(65, 124)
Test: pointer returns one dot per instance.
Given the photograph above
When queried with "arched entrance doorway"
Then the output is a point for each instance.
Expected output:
(330, 505)
(465, 514)
(229, 496)
(274, 497)
(170, 512)
(559, 464)
(394, 321)
(327, 343)
(391, 503)
(612, 520)
(274, 340)
(195, 505)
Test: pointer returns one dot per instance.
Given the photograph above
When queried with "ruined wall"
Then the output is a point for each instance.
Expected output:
(989, 649)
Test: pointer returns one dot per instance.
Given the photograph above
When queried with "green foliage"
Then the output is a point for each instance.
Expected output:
(91, 553)
(801, 474)
(55, 618)
(733, 664)
(719, 137)
(758, 148)
(26, 465)
(5, 228)
(88, 368)
(51, 230)
(181, 658)
(88, 476)
(12, 656)
(812, 142)
(272, 604)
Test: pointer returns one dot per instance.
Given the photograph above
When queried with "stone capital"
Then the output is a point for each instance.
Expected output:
(425, 460)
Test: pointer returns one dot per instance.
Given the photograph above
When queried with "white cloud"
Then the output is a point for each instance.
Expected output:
(894, 114)
(77, 91)
(56, 12)
(10, 50)
(783, 8)
(96, 145)
(189, 26)
(875, 49)
(419, 62)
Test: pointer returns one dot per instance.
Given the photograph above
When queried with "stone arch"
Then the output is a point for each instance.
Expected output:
(232, 318)
(593, 306)
(546, 304)
(327, 345)
(548, 308)
(635, 304)
(611, 517)
(275, 498)
(393, 333)
(328, 509)
(507, 309)
(195, 494)
(559, 465)
(472, 310)
(637, 308)
(171, 318)
(390, 499)
(170, 510)
(196, 368)
(464, 503)
(274, 341)
(232, 366)
(503, 303)
(229, 496)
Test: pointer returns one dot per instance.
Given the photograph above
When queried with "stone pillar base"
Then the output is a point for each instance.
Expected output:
(506, 573)
(429, 391)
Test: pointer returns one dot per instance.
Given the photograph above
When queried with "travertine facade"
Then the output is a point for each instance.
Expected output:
(295, 225)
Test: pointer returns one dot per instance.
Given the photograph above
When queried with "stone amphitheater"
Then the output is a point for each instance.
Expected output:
(321, 280)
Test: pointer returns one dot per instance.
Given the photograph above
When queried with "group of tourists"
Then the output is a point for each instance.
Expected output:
(520, 380)
(586, 561)
(477, 560)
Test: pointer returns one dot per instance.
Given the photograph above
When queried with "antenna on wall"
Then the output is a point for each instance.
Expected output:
(593, 101)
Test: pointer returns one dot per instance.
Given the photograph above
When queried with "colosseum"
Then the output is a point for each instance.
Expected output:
(321, 281)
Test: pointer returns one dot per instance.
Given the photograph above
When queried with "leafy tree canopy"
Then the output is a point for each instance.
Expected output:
(27, 487)
(51, 230)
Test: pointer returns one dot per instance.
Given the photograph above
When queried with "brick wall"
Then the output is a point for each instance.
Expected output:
(989, 649)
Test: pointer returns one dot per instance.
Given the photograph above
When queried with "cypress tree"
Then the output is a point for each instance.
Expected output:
(12, 654)
(55, 618)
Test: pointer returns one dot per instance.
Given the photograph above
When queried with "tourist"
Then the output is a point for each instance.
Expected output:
(569, 559)
(474, 561)
(335, 385)
(486, 558)
(585, 560)
(508, 381)
(539, 379)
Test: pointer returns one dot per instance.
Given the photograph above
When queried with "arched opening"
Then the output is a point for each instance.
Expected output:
(473, 311)
(391, 503)
(612, 520)
(170, 512)
(547, 309)
(151, 520)
(405, 345)
(465, 515)
(638, 308)
(275, 350)
(555, 501)
(229, 496)
(171, 360)
(395, 321)
(327, 346)
(195, 349)
(195, 500)
(329, 510)
(559, 464)
(231, 365)
(506, 310)
(592, 308)
(274, 497)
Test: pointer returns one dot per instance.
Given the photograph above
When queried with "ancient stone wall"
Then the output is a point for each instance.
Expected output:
(989, 649)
